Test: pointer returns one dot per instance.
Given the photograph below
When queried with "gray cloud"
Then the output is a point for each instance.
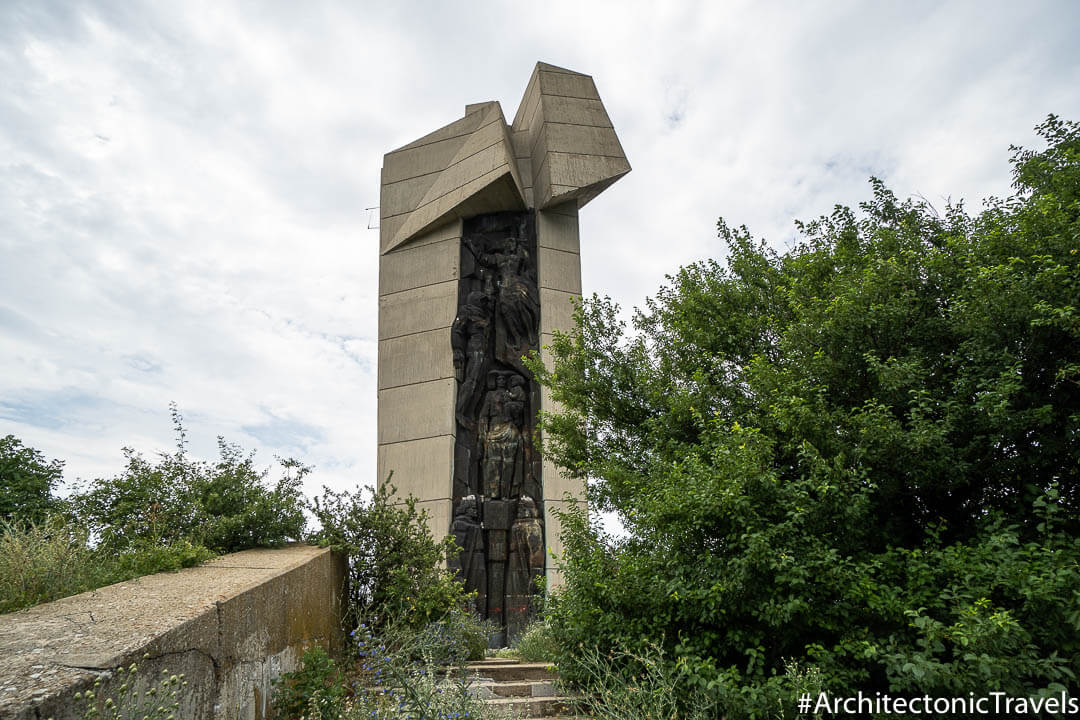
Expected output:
(214, 251)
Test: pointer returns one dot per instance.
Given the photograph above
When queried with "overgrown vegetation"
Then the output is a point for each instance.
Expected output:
(397, 671)
(137, 697)
(154, 516)
(27, 482)
(395, 567)
(313, 690)
(537, 643)
(859, 458)
(410, 622)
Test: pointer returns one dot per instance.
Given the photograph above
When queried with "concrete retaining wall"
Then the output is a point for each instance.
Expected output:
(231, 626)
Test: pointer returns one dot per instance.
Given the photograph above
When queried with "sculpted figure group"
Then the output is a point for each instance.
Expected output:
(498, 518)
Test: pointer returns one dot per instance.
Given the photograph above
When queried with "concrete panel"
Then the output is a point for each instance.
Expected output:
(424, 308)
(528, 102)
(423, 468)
(493, 192)
(231, 626)
(411, 412)
(568, 85)
(582, 139)
(414, 266)
(461, 126)
(525, 171)
(558, 270)
(569, 209)
(557, 484)
(553, 540)
(556, 310)
(521, 143)
(404, 195)
(438, 516)
(558, 229)
(541, 181)
(582, 170)
(416, 358)
(422, 159)
(576, 111)
(478, 107)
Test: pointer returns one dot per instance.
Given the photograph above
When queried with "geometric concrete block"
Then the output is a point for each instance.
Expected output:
(415, 358)
(556, 310)
(558, 230)
(513, 190)
(417, 266)
(420, 467)
(574, 151)
(559, 270)
(421, 410)
(411, 311)
(469, 169)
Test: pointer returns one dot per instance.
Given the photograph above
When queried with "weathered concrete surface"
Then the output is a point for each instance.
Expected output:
(231, 626)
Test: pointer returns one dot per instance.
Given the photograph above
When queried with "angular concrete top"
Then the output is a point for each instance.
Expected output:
(561, 147)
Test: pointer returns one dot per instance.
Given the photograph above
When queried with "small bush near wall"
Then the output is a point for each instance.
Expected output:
(395, 568)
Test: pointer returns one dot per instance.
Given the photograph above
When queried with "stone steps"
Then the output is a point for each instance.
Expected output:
(527, 690)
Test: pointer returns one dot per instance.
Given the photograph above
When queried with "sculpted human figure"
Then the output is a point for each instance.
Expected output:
(469, 338)
(526, 549)
(468, 535)
(519, 305)
(507, 275)
(500, 434)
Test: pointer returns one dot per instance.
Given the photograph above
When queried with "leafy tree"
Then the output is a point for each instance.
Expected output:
(225, 506)
(395, 568)
(27, 482)
(861, 455)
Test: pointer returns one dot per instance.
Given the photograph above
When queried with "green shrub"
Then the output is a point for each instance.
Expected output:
(395, 568)
(226, 506)
(401, 677)
(459, 635)
(43, 561)
(26, 483)
(53, 559)
(313, 690)
(638, 685)
(137, 698)
(860, 456)
(537, 644)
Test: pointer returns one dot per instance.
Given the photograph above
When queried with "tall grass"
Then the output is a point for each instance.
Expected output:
(53, 559)
(42, 562)
(638, 685)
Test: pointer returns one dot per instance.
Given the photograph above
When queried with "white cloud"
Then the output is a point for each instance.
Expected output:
(183, 185)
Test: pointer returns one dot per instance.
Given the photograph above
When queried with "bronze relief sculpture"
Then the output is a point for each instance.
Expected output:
(498, 520)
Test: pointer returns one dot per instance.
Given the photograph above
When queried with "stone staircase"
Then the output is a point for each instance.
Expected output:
(525, 689)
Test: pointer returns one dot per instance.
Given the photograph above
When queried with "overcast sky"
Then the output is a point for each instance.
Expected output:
(183, 184)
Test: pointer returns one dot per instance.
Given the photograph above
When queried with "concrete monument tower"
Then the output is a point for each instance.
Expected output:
(479, 260)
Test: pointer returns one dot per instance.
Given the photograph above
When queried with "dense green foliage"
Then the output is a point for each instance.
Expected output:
(398, 670)
(154, 516)
(861, 456)
(395, 567)
(131, 695)
(225, 506)
(313, 689)
(536, 643)
(27, 482)
(40, 562)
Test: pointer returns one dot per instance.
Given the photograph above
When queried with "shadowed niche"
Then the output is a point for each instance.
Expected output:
(498, 515)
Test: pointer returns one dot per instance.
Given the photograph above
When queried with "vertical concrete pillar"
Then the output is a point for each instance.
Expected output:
(560, 152)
